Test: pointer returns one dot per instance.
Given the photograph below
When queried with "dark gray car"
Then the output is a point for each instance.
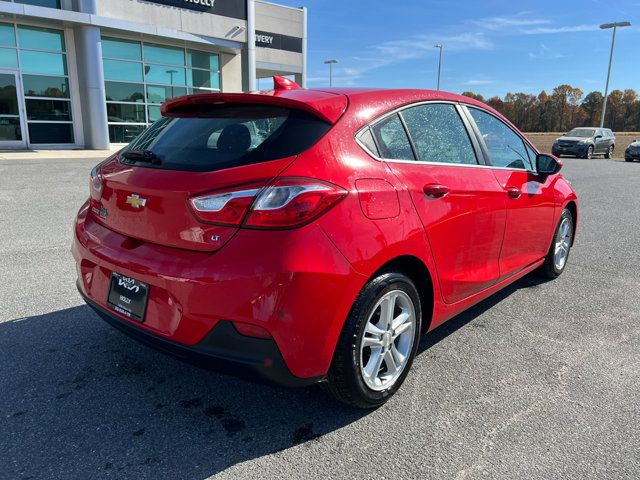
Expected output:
(632, 152)
(585, 142)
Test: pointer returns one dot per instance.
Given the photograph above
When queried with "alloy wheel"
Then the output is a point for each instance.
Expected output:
(387, 340)
(562, 243)
(590, 152)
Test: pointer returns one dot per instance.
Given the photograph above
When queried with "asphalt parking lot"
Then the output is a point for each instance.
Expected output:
(540, 381)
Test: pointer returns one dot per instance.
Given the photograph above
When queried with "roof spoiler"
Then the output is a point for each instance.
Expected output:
(286, 93)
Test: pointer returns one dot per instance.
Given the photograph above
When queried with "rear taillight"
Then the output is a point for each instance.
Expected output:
(95, 183)
(288, 203)
(226, 207)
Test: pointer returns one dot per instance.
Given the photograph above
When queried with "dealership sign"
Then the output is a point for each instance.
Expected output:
(225, 8)
(278, 41)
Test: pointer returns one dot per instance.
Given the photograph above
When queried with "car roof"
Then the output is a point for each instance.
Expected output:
(366, 104)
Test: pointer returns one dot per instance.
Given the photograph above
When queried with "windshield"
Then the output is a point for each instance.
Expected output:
(581, 132)
(224, 136)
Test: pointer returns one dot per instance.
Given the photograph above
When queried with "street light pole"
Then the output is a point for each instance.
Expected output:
(330, 63)
(613, 43)
(439, 46)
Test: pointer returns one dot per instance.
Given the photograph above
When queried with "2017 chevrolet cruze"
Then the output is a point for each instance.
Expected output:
(311, 236)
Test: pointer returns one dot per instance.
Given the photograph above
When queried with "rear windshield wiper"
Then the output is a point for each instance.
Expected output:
(142, 156)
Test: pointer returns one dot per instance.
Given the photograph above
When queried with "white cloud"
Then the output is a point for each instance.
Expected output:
(564, 29)
(474, 82)
(508, 22)
(545, 53)
(421, 45)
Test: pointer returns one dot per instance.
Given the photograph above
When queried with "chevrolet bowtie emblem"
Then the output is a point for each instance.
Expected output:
(135, 201)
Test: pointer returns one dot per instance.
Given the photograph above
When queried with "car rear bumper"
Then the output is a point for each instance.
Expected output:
(223, 350)
(632, 155)
(294, 284)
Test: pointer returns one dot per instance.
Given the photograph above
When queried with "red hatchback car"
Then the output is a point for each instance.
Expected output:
(308, 236)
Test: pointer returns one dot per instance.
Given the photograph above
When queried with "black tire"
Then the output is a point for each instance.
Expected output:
(549, 269)
(628, 159)
(345, 381)
(609, 153)
(589, 153)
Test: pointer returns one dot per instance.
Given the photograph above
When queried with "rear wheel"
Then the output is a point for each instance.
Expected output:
(378, 342)
(556, 259)
(589, 153)
(609, 153)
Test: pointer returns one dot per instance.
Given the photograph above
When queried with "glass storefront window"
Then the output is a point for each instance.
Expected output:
(41, 3)
(45, 81)
(41, 86)
(119, 70)
(154, 113)
(8, 57)
(139, 76)
(161, 93)
(7, 35)
(164, 74)
(165, 55)
(124, 92)
(51, 132)
(203, 79)
(207, 61)
(124, 133)
(41, 39)
(42, 62)
(124, 49)
(58, 110)
(125, 113)
(10, 129)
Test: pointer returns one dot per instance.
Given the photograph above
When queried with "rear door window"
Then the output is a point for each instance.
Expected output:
(439, 135)
(208, 137)
(392, 139)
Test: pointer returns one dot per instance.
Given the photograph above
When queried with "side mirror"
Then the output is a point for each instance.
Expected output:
(597, 137)
(547, 164)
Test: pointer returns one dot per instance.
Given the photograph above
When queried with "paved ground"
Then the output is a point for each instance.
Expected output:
(540, 381)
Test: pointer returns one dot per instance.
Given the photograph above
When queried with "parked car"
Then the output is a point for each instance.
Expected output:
(585, 142)
(361, 220)
(632, 152)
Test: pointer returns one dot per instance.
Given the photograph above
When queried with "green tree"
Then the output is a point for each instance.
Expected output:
(592, 108)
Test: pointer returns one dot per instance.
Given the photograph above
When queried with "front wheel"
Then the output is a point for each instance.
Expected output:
(609, 153)
(589, 153)
(556, 259)
(378, 342)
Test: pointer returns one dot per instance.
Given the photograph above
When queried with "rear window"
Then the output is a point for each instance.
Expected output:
(208, 138)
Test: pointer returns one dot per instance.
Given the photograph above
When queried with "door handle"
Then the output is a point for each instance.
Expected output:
(514, 192)
(435, 190)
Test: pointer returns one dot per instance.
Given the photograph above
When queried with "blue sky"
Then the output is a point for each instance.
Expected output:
(490, 46)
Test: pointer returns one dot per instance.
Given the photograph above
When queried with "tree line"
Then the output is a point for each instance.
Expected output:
(567, 107)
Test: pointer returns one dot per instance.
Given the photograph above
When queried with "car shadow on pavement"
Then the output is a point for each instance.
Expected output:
(459, 321)
(80, 400)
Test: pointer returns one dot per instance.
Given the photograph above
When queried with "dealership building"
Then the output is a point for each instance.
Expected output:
(93, 73)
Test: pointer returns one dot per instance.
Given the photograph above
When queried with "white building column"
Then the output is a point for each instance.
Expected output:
(251, 45)
(304, 48)
(91, 82)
